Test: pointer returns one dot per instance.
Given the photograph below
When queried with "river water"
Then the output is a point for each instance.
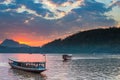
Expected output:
(81, 67)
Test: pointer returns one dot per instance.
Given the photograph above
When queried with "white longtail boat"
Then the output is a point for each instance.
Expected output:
(36, 67)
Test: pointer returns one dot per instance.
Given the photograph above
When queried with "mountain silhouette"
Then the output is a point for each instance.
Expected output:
(96, 40)
(91, 41)
(12, 43)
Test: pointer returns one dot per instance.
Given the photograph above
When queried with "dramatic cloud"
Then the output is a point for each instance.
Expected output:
(47, 9)
(115, 3)
(40, 21)
(91, 14)
(6, 2)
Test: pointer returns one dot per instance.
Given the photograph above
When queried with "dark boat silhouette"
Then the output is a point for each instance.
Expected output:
(67, 57)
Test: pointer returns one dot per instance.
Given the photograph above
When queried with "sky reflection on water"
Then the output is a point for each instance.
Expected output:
(79, 68)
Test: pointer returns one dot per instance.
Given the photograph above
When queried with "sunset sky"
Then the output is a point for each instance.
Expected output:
(36, 22)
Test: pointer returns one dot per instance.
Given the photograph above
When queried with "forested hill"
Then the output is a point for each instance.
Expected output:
(90, 41)
(97, 40)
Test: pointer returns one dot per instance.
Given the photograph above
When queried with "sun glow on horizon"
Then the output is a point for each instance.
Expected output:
(29, 39)
(31, 42)
(36, 40)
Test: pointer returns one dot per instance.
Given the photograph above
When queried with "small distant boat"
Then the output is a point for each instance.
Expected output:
(36, 67)
(67, 57)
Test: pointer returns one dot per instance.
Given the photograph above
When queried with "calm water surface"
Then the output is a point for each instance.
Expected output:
(81, 67)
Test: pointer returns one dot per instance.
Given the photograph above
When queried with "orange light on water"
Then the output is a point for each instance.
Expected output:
(30, 57)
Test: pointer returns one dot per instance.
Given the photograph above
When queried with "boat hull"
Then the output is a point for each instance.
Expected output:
(67, 57)
(26, 69)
